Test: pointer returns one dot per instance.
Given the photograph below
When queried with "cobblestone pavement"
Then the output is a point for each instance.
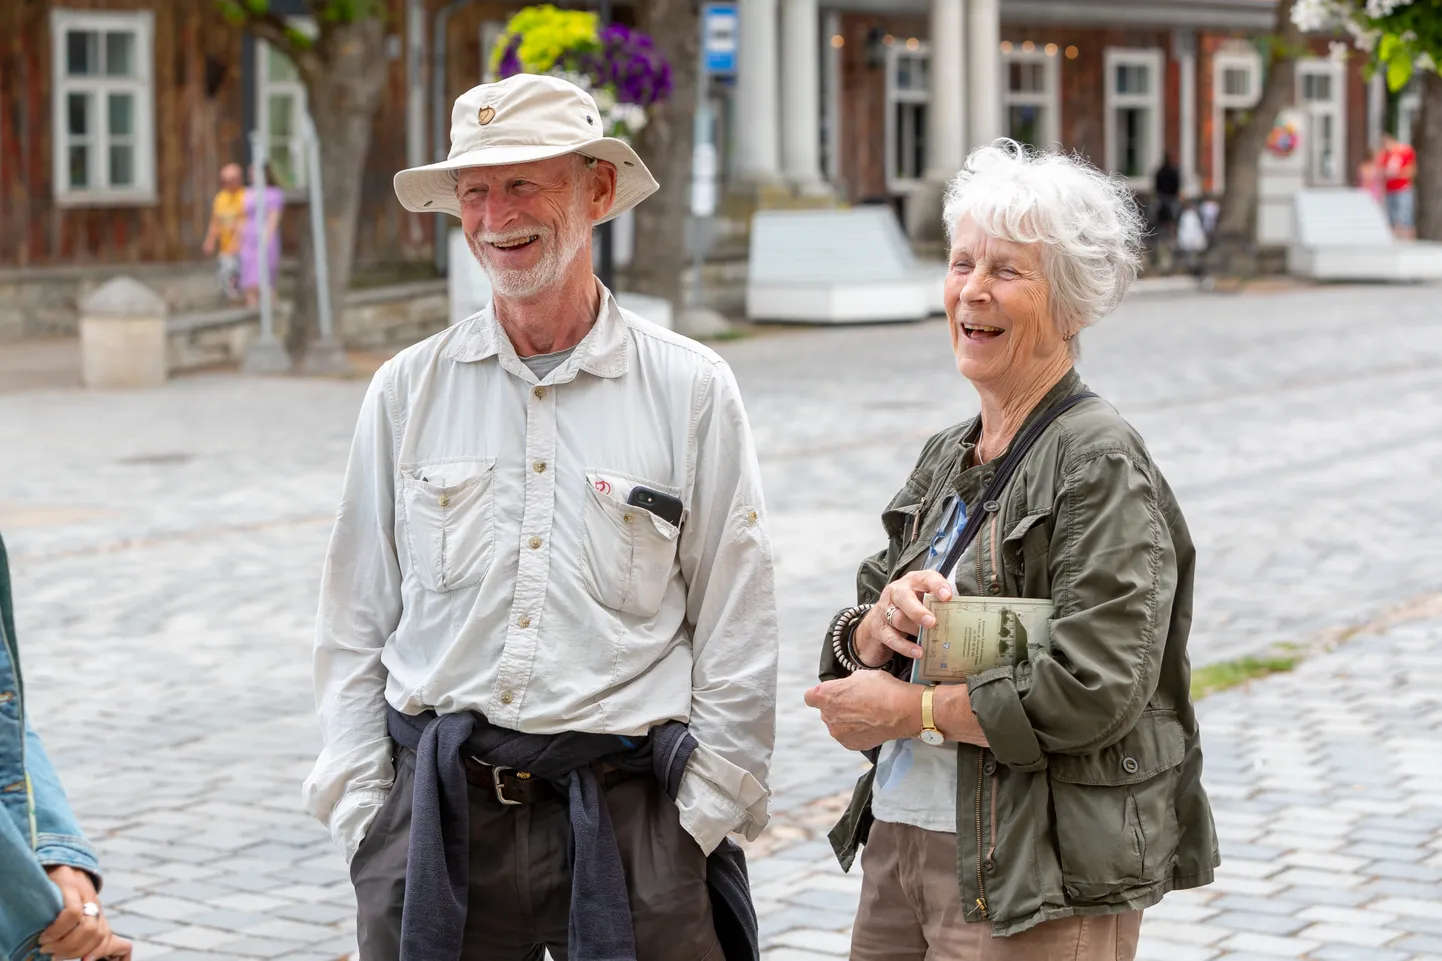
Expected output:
(167, 546)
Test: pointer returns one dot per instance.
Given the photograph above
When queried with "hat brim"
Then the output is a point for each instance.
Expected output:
(432, 188)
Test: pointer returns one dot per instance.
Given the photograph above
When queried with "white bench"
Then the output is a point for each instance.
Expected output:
(837, 267)
(1342, 234)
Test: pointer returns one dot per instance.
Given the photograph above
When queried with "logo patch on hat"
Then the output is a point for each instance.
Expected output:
(486, 115)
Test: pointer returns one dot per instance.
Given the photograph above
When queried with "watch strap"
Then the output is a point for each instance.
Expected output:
(928, 719)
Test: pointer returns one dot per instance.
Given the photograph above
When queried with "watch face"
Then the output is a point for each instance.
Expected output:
(932, 737)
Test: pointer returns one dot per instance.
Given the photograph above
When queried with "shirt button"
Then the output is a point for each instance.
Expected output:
(535, 543)
(444, 500)
(628, 517)
(751, 517)
(524, 621)
(507, 697)
(540, 393)
(539, 467)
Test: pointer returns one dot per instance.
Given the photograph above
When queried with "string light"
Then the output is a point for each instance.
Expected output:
(889, 40)
(1072, 53)
(1028, 47)
(913, 44)
(838, 41)
(1051, 50)
(1006, 46)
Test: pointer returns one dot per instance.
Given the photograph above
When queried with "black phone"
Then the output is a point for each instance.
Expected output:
(664, 506)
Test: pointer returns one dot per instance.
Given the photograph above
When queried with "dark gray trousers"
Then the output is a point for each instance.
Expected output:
(520, 895)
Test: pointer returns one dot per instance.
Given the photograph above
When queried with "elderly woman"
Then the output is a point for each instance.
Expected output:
(1033, 811)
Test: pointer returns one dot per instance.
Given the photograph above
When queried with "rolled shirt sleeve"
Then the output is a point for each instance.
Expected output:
(360, 607)
(725, 557)
(1113, 579)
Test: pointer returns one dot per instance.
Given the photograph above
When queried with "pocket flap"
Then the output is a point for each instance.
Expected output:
(1155, 745)
(1025, 524)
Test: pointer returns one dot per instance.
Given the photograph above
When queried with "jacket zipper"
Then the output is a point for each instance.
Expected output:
(980, 856)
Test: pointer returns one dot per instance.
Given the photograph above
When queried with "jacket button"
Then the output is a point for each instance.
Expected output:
(1130, 765)
(991, 507)
(989, 865)
(989, 767)
(994, 589)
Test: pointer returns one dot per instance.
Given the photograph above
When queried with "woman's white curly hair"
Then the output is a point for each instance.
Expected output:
(1088, 224)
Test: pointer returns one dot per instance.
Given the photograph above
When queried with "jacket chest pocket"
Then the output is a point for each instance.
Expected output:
(1116, 819)
(1026, 554)
(628, 553)
(450, 521)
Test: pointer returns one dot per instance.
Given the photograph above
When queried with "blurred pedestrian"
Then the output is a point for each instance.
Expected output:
(1167, 184)
(546, 647)
(222, 239)
(1032, 811)
(1210, 208)
(250, 234)
(1399, 169)
(1192, 243)
(49, 877)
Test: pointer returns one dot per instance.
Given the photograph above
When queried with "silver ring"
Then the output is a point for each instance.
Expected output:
(890, 611)
(90, 909)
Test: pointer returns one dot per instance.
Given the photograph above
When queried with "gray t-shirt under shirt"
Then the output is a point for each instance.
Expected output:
(542, 364)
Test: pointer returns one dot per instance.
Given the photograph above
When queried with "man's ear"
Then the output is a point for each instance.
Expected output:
(603, 189)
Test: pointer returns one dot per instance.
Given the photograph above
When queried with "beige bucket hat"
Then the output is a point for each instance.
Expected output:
(520, 119)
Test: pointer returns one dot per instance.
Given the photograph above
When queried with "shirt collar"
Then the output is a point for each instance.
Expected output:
(604, 351)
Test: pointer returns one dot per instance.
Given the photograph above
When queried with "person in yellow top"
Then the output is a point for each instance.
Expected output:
(222, 240)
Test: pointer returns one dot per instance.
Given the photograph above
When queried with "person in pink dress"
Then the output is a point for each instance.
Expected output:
(249, 248)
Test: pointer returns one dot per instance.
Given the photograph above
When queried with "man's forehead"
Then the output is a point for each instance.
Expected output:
(552, 167)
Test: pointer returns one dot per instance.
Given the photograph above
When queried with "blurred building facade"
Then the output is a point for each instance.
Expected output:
(115, 115)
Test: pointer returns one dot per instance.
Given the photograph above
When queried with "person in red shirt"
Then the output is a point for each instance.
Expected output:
(1399, 168)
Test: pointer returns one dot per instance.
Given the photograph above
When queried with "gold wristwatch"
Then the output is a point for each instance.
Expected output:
(929, 733)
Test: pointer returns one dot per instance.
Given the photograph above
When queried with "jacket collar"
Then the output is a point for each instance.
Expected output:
(604, 351)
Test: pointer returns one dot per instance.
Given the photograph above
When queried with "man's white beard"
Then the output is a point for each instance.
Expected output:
(560, 249)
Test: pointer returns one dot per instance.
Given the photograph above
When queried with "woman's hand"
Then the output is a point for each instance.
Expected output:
(876, 637)
(73, 934)
(868, 708)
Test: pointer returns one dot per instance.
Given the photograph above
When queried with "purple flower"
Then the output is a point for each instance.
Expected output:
(511, 59)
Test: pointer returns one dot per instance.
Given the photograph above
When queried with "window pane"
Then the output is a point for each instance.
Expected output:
(120, 54)
(1237, 81)
(281, 111)
(1133, 78)
(122, 114)
(1027, 78)
(1133, 125)
(278, 68)
(77, 113)
(79, 166)
(283, 164)
(1317, 87)
(122, 165)
(1024, 124)
(82, 53)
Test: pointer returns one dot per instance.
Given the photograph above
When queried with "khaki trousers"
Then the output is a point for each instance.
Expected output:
(911, 911)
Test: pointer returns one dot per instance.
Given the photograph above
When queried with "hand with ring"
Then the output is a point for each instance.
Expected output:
(898, 615)
(80, 930)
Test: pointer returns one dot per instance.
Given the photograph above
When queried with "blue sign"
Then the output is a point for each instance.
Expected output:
(719, 28)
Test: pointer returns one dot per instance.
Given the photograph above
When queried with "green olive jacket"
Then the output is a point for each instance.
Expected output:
(1089, 799)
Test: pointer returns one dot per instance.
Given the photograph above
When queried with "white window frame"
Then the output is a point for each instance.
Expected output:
(141, 87)
(894, 181)
(1250, 61)
(1155, 61)
(1049, 99)
(265, 87)
(1336, 108)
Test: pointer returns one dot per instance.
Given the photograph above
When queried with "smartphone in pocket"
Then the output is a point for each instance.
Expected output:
(664, 506)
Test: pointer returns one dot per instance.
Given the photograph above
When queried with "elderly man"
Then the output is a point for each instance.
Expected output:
(550, 559)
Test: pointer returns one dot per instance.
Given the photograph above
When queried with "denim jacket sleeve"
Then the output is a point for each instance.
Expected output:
(59, 840)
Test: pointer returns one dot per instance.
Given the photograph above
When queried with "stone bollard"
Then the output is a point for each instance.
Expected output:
(122, 336)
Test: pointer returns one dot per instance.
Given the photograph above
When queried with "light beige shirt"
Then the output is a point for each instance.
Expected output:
(485, 559)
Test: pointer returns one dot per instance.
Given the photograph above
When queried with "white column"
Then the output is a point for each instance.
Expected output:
(946, 148)
(801, 95)
(984, 43)
(1187, 67)
(757, 93)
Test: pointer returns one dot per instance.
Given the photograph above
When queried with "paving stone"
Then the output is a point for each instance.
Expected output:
(1269, 944)
(1256, 921)
(1360, 935)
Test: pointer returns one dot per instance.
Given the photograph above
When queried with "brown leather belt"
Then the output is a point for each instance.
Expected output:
(512, 787)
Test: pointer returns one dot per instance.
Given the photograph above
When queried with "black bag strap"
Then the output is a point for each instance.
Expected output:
(1004, 471)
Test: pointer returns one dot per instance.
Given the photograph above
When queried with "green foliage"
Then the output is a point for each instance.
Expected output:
(242, 12)
(1218, 677)
(1409, 34)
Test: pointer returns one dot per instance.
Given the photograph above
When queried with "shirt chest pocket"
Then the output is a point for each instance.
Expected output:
(450, 521)
(628, 553)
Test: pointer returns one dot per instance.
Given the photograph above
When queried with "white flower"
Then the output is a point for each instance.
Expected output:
(1320, 16)
(1384, 8)
(1425, 62)
(1337, 52)
(605, 99)
(1363, 38)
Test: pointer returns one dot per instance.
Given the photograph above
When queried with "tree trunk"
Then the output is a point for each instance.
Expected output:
(659, 257)
(1428, 141)
(343, 84)
(1237, 221)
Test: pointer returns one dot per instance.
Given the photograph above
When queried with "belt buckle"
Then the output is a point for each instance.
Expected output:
(496, 772)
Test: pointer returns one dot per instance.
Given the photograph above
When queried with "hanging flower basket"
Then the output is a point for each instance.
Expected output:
(620, 67)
